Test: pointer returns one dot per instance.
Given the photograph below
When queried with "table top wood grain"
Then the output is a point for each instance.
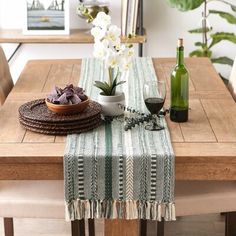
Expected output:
(205, 146)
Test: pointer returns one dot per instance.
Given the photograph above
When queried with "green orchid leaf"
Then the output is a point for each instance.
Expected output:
(106, 84)
(103, 86)
(121, 82)
(220, 36)
(114, 85)
(100, 86)
(200, 30)
(114, 81)
(104, 91)
(109, 88)
(227, 16)
(185, 5)
(223, 60)
(113, 91)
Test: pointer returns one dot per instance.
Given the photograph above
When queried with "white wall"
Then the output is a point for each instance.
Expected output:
(164, 25)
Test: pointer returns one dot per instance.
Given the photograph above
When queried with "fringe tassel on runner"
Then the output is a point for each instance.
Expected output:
(115, 209)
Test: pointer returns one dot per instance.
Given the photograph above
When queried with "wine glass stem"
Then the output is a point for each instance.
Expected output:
(154, 119)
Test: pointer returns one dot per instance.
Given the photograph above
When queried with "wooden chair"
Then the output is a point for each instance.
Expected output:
(203, 197)
(232, 81)
(6, 83)
(35, 199)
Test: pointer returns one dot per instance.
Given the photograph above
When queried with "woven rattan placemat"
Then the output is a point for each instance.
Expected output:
(35, 116)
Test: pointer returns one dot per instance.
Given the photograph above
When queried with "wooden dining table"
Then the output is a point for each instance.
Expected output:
(205, 146)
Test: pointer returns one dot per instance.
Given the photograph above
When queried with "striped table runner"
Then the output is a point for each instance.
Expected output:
(111, 173)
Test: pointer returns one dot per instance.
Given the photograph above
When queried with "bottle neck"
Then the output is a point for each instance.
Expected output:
(180, 56)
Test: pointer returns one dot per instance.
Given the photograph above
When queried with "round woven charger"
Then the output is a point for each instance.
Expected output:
(37, 111)
(52, 127)
(76, 124)
(62, 132)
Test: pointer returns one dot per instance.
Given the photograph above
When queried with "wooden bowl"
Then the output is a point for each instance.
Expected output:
(67, 109)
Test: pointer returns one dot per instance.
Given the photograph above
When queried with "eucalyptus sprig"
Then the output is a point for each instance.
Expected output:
(139, 117)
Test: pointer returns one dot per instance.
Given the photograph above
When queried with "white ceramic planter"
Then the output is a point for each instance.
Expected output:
(110, 104)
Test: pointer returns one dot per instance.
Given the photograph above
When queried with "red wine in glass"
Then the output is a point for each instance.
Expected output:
(154, 94)
(154, 105)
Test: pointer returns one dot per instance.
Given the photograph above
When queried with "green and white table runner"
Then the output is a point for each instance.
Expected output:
(111, 173)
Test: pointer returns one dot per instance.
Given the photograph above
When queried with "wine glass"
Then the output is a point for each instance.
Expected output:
(154, 95)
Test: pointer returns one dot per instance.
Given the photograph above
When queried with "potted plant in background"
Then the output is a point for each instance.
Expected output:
(209, 39)
(116, 58)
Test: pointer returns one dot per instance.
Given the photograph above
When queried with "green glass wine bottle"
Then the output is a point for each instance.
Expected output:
(179, 104)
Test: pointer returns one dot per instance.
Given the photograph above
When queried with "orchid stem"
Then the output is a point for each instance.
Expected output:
(110, 71)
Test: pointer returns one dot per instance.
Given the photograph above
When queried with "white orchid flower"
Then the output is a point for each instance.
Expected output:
(125, 64)
(105, 43)
(98, 33)
(108, 46)
(102, 20)
(112, 59)
(100, 51)
(120, 48)
(113, 35)
(130, 52)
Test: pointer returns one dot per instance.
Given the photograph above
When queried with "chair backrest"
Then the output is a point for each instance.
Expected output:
(6, 83)
(232, 81)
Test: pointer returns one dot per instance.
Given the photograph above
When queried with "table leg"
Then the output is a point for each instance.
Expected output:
(8, 226)
(78, 228)
(91, 227)
(121, 227)
(143, 227)
(230, 224)
(160, 228)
